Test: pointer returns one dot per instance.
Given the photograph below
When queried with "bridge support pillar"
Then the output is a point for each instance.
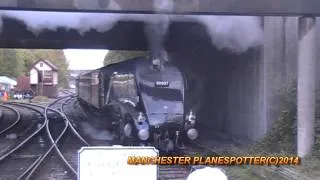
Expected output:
(306, 85)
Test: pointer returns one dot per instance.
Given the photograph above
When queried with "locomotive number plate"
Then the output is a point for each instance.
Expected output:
(111, 162)
(161, 83)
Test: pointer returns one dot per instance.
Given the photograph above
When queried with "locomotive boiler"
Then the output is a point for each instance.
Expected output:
(143, 102)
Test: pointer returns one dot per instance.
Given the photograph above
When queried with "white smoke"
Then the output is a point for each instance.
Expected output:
(96, 134)
(83, 22)
(156, 30)
(113, 5)
(234, 33)
(163, 5)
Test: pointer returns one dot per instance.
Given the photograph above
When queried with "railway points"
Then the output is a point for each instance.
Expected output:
(22, 151)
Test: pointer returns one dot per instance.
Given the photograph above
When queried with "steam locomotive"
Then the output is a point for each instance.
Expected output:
(144, 102)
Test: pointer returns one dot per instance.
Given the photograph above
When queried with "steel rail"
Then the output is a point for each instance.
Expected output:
(5, 155)
(70, 124)
(38, 162)
(15, 122)
(54, 142)
(63, 115)
(29, 168)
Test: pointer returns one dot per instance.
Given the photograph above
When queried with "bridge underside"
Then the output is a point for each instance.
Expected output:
(217, 7)
(125, 35)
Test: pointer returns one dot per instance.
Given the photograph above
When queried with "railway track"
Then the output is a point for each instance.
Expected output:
(16, 155)
(54, 136)
(33, 170)
(67, 92)
(59, 129)
(7, 123)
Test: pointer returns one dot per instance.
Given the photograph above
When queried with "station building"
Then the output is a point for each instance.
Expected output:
(44, 78)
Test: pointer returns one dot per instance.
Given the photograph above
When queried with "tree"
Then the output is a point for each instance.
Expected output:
(17, 62)
(118, 56)
(26, 58)
(10, 65)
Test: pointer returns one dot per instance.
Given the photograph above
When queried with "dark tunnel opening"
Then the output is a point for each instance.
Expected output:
(228, 82)
(224, 86)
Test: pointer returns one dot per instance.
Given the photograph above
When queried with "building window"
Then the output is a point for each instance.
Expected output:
(47, 76)
(41, 64)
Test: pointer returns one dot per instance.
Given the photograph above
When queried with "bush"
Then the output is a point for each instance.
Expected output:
(282, 137)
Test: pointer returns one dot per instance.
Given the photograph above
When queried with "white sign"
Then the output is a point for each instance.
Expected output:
(110, 162)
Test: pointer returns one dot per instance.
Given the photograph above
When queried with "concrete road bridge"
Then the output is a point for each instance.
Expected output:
(242, 96)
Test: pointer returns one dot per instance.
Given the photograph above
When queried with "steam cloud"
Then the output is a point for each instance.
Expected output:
(155, 31)
(234, 33)
(96, 134)
(113, 5)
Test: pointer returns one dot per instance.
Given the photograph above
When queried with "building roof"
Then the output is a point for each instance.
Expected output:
(6, 80)
(50, 64)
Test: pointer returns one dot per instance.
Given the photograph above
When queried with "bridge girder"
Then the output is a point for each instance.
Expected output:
(125, 35)
(217, 7)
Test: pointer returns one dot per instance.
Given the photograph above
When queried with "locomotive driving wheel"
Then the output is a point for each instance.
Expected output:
(123, 128)
(119, 129)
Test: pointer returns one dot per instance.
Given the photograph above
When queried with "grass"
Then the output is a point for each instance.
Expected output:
(40, 99)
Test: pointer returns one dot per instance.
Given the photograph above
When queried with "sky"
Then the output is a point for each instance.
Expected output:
(85, 59)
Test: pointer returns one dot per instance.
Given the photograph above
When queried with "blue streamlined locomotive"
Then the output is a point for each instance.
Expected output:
(143, 102)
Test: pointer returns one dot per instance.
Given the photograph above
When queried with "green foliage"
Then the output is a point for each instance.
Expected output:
(17, 62)
(26, 57)
(9, 64)
(282, 137)
(118, 56)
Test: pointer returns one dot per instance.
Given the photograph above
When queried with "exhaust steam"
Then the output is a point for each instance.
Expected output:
(96, 134)
(233, 33)
(156, 30)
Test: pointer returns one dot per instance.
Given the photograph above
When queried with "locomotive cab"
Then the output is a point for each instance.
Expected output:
(122, 88)
(124, 106)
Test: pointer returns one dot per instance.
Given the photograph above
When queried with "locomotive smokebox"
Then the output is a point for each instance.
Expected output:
(156, 33)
